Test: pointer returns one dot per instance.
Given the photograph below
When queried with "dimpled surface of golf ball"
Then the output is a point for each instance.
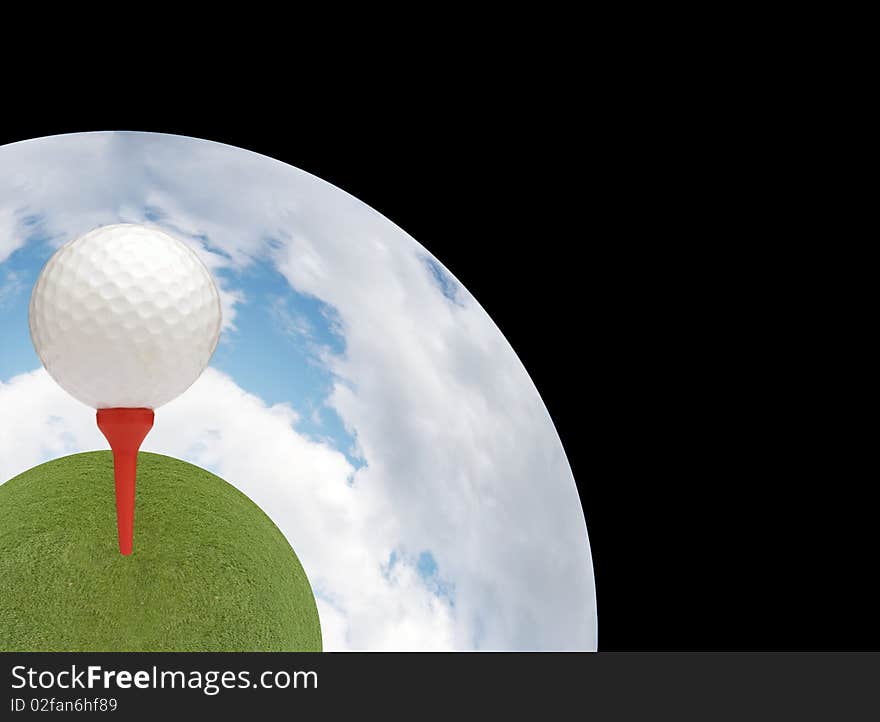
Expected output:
(125, 316)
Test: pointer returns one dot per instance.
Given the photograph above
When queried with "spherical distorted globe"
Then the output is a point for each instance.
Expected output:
(125, 316)
(210, 571)
(359, 394)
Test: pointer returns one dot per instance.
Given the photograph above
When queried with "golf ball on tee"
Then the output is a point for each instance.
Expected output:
(125, 316)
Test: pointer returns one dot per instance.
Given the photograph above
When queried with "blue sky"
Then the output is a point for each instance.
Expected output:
(17, 277)
(275, 352)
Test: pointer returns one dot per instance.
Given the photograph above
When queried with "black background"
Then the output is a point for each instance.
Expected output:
(624, 262)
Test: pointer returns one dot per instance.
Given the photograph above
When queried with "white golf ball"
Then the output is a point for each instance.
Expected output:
(125, 316)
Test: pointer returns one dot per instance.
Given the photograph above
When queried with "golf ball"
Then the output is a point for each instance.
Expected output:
(125, 316)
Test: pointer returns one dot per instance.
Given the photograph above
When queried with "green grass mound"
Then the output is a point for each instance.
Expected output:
(209, 572)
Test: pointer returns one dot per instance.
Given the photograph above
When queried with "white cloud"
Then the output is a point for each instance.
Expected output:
(443, 410)
(11, 284)
(67, 185)
(462, 459)
(289, 322)
(335, 528)
(38, 422)
(10, 239)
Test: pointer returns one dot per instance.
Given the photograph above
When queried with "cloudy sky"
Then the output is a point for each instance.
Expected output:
(359, 394)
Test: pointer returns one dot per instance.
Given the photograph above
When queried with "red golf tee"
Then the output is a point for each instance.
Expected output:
(125, 429)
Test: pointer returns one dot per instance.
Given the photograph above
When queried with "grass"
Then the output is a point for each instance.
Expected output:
(209, 571)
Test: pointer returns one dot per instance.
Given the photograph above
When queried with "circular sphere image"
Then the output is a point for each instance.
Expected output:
(211, 572)
(359, 394)
(125, 317)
